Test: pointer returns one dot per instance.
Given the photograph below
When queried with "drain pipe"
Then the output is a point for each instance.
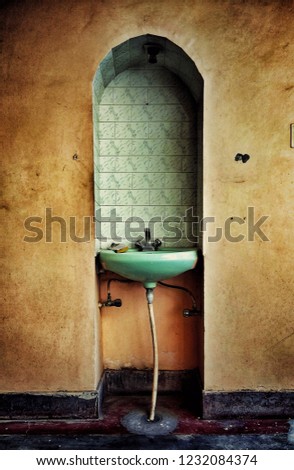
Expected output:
(150, 296)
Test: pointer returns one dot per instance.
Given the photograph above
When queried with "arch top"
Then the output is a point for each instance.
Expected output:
(135, 52)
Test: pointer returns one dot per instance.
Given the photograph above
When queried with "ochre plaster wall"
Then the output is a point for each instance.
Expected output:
(244, 51)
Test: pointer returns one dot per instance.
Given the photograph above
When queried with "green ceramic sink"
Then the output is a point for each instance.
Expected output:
(149, 266)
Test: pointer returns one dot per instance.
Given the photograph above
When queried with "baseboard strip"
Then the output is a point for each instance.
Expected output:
(248, 404)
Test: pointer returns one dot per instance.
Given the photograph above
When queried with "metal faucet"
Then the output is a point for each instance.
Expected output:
(147, 245)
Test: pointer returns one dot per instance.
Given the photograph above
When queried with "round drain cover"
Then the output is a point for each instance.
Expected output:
(137, 422)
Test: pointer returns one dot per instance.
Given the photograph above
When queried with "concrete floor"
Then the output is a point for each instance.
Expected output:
(131, 442)
(108, 433)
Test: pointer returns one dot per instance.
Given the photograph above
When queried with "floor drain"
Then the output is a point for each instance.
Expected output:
(137, 422)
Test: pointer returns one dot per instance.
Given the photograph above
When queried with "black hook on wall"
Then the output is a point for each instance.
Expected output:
(242, 157)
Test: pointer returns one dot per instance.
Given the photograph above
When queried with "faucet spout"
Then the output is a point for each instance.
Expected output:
(147, 235)
(147, 245)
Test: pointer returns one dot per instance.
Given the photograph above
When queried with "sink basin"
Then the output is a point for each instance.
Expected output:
(149, 266)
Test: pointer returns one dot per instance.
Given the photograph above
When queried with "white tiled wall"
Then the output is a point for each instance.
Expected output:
(145, 157)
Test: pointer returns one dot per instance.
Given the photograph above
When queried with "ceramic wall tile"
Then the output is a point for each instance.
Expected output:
(108, 197)
(115, 180)
(106, 130)
(141, 78)
(189, 196)
(122, 79)
(165, 130)
(180, 180)
(163, 95)
(117, 147)
(191, 232)
(112, 213)
(131, 130)
(170, 231)
(149, 180)
(111, 232)
(148, 212)
(143, 112)
(132, 197)
(165, 197)
(158, 113)
(128, 95)
(107, 97)
(114, 113)
(175, 211)
(147, 147)
(171, 112)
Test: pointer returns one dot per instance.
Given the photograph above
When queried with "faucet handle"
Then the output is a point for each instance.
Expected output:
(139, 245)
(157, 243)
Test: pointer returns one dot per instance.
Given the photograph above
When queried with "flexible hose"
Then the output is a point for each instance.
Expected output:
(165, 284)
(155, 362)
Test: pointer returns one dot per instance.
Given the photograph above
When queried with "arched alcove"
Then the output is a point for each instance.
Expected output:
(148, 123)
(148, 143)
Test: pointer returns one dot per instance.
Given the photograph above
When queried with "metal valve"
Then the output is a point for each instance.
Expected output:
(110, 303)
(191, 312)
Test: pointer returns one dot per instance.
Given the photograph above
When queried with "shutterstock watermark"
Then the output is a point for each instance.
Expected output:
(113, 227)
